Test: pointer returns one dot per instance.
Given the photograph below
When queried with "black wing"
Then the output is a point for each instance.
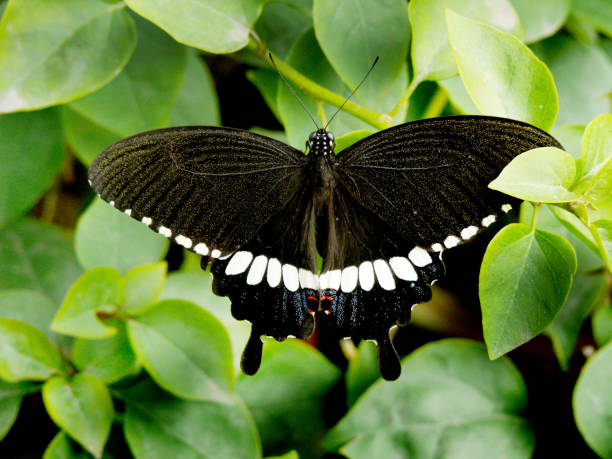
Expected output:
(428, 179)
(234, 196)
(209, 189)
(402, 196)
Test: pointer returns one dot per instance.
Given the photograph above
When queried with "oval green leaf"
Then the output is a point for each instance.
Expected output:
(28, 306)
(432, 58)
(10, 402)
(27, 353)
(61, 447)
(586, 290)
(541, 18)
(350, 138)
(362, 371)
(596, 144)
(155, 421)
(450, 401)
(540, 175)
(503, 77)
(109, 359)
(143, 94)
(595, 12)
(354, 32)
(525, 278)
(71, 49)
(291, 415)
(82, 406)
(32, 153)
(98, 290)
(185, 349)
(593, 402)
(143, 286)
(582, 75)
(38, 257)
(107, 237)
(212, 25)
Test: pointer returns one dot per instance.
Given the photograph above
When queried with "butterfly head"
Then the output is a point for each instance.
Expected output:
(321, 142)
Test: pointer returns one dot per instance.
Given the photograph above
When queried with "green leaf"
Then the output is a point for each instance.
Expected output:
(291, 415)
(602, 325)
(61, 447)
(109, 359)
(170, 427)
(28, 306)
(592, 402)
(432, 58)
(196, 102)
(196, 287)
(503, 77)
(586, 290)
(540, 175)
(307, 58)
(570, 136)
(459, 96)
(143, 286)
(350, 138)
(603, 234)
(583, 76)
(575, 228)
(97, 291)
(450, 401)
(266, 81)
(185, 349)
(86, 138)
(595, 12)
(82, 406)
(215, 26)
(106, 236)
(10, 401)
(525, 278)
(71, 49)
(541, 18)
(352, 33)
(27, 354)
(597, 145)
(281, 24)
(143, 94)
(37, 257)
(31, 153)
(362, 371)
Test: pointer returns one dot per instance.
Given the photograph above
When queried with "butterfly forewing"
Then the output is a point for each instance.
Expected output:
(207, 188)
(428, 179)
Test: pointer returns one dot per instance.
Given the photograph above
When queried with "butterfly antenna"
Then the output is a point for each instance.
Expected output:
(291, 89)
(354, 91)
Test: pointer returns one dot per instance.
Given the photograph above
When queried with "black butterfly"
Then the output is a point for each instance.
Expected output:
(380, 214)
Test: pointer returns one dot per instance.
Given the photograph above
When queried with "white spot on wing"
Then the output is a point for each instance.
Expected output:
(239, 263)
(128, 211)
(349, 278)
(469, 232)
(112, 203)
(164, 231)
(384, 274)
(506, 208)
(451, 241)
(184, 241)
(147, 221)
(366, 275)
(308, 279)
(403, 269)
(290, 277)
(201, 249)
(437, 247)
(257, 271)
(419, 257)
(488, 220)
(215, 253)
(274, 272)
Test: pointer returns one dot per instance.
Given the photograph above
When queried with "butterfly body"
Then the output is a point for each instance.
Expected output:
(380, 213)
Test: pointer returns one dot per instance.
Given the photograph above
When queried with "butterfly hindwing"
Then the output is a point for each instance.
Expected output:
(428, 179)
(209, 189)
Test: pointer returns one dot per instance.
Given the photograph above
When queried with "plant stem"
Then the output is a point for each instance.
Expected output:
(319, 93)
(436, 104)
(413, 85)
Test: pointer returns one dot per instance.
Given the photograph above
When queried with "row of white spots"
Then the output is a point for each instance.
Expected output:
(467, 233)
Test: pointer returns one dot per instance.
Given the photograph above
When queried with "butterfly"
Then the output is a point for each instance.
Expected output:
(380, 214)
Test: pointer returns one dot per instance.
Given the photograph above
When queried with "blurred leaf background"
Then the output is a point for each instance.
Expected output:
(112, 343)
